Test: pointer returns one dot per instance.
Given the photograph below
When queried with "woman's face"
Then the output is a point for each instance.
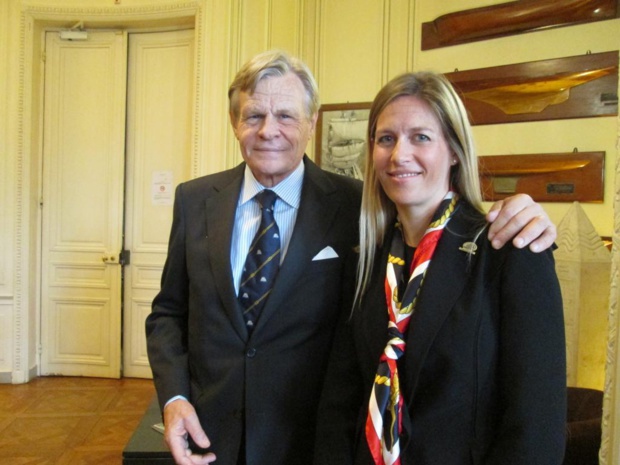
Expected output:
(411, 156)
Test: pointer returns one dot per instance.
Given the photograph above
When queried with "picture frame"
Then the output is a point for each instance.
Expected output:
(340, 144)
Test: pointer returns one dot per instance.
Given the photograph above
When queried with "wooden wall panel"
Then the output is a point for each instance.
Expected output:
(570, 87)
(6, 169)
(286, 25)
(399, 26)
(6, 339)
(253, 28)
(351, 49)
(546, 177)
(513, 18)
(269, 24)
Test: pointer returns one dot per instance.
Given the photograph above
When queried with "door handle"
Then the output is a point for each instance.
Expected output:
(123, 258)
(111, 259)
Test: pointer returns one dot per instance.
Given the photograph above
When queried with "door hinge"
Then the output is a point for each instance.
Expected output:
(124, 257)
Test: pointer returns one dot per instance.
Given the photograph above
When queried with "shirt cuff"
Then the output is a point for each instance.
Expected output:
(173, 399)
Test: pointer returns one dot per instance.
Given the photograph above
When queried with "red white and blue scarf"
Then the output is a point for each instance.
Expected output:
(384, 421)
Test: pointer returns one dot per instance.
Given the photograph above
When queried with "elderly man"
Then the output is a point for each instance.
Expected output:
(239, 348)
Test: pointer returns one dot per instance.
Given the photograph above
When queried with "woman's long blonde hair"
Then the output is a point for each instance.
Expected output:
(378, 211)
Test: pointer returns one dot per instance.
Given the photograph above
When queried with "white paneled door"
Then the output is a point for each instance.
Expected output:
(158, 157)
(83, 164)
(87, 108)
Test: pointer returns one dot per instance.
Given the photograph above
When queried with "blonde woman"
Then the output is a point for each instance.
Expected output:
(454, 351)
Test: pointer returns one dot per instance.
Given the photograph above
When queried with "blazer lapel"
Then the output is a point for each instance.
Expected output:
(317, 211)
(374, 306)
(220, 214)
(443, 284)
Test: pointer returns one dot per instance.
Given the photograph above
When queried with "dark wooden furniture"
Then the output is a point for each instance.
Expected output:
(147, 446)
(583, 428)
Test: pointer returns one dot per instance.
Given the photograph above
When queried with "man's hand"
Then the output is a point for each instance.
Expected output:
(520, 217)
(180, 419)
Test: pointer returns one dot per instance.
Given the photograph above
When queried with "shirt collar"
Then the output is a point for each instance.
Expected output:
(289, 189)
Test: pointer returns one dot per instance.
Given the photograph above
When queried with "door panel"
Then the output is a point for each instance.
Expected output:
(83, 164)
(159, 109)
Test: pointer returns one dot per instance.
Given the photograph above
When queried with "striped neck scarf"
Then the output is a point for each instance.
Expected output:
(384, 421)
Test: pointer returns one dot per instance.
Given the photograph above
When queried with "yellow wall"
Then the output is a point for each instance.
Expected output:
(359, 52)
(353, 47)
(587, 134)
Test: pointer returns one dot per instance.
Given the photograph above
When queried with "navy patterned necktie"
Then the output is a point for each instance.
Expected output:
(262, 262)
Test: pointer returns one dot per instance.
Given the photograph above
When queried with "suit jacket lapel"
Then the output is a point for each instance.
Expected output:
(443, 284)
(317, 211)
(220, 214)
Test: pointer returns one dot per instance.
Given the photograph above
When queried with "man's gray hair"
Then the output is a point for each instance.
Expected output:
(270, 64)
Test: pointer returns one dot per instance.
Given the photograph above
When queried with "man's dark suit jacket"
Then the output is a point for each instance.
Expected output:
(483, 374)
(264, 387)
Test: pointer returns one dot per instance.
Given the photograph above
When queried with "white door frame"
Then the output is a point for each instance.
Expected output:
(34, 22)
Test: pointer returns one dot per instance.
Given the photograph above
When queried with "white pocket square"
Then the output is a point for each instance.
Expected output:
(326, 253)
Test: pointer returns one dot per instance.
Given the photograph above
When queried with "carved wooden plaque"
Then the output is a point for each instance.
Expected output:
(513, 18)
(572, 87)
(557, 177)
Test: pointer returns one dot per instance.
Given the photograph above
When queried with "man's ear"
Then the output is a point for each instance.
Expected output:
(313, 121)
(233, 122)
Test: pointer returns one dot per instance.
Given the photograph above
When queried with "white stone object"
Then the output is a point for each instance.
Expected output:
(583, 265)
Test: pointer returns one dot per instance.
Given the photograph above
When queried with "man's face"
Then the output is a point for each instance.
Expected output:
(273, 128)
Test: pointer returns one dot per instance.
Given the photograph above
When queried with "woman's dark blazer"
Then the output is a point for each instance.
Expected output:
(484, 372)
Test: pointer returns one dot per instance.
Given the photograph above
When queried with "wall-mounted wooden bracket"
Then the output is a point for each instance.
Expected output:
(513, 18)
(557, 177)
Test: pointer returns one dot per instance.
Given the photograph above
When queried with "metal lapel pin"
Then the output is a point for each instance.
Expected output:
(469, 247)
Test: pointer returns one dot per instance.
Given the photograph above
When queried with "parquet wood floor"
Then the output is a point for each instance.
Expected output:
(76, 421)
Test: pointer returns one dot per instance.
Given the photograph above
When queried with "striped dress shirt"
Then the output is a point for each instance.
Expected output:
(248, 215)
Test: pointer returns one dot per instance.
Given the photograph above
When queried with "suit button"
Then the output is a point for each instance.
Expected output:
(251, 352)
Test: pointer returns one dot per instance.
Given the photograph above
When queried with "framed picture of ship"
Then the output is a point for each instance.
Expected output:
(341, 138)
